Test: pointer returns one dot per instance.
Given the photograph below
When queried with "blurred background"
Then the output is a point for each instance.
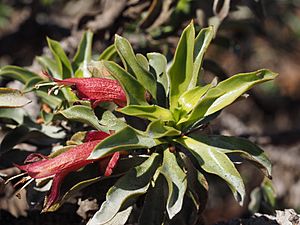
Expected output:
(251, 34)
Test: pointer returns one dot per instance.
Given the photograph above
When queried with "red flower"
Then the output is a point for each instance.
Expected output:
(67, 162)
(96, 90)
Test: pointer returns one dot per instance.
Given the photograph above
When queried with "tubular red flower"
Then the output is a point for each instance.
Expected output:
(96, 90)
(71, 160)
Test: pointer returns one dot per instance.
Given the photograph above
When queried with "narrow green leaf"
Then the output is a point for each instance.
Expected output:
(150, 112)
(82, 114)
(135, 92)
(16, 114)
(49, 64)
(125, 139)
(215, 162)
(242, 146)
(177, 183)
(190, 98)
(17, 73)
(131, 185)
(201, 108)
(130, 62)
(84, 54)
(110, 122)
(64, 66)
(181, 70)
(143, 61)
(159, 63)
(157, 129)
(12, 98)
(121, 217)
(77, 138)
(30, 84)
(269, 192)
(50, 100)
(109, 53)
(202, 42)
(237, 85)
(225, 93)
(54, 68)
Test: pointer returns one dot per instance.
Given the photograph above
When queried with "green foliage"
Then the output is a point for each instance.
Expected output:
(12, 98)
(132, 65)
(130, 186)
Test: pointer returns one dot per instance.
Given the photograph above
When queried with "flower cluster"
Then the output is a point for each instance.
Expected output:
(96, 90)
(71, 160)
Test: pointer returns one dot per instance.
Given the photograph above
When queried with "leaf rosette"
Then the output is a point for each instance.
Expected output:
(164, 155)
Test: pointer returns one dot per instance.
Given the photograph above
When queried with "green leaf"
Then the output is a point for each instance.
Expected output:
(201, 108)
(110, 122)
(213, 161)
(225, 93)
(131, 64)
(30, 84)
(159, 63)
(190, 98)
(154, 205)
(16, 114)
(202, 42)
(77, 138)
(157, 129)
(84, 54)
(242, 146)
(131, 185)
(181, 70)
(17, 73)
(177, 183)
(109, 53)
(12, 98)
(64, 66)
(121, 217)
(82, 114)
(150, 112)
(135, 92)
(126, 139)
(269, 192)
(49, 64)
(143, 61)
(237, 85)
(50, 100)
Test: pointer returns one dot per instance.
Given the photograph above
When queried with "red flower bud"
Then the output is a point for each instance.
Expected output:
(69, 161)
(96, 90)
